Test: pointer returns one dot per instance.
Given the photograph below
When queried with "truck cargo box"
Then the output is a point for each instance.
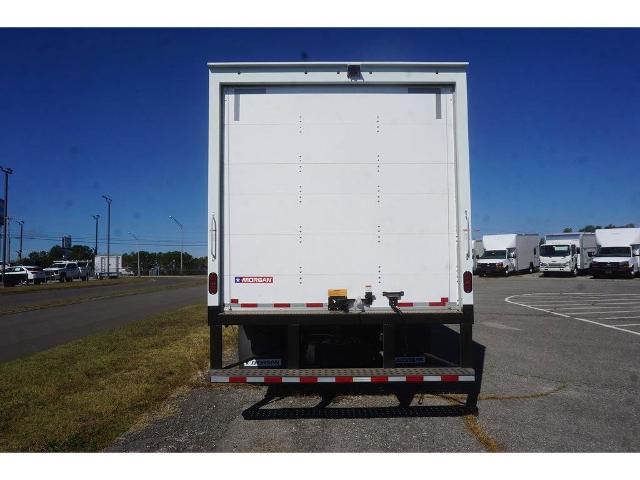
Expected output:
(332, 185)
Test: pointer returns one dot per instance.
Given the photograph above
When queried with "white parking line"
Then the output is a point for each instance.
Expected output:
(617, 318)
(606, 311)
(569, 314)
(595, 305)
(564, 304)
(628, 325)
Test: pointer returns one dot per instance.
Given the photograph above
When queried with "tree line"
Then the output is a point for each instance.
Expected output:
(167, 263)
(593, 228)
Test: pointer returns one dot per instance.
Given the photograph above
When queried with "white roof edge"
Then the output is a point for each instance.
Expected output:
(327, 64)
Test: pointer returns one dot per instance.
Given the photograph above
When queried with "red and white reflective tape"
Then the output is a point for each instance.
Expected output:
(236, 303)
(344, 379)
(444, 301)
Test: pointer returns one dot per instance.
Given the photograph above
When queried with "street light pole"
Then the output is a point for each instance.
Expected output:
(5, 220)
(95, 250)
(21, 223)
(138, 247)
(181, 239)
(108, 200)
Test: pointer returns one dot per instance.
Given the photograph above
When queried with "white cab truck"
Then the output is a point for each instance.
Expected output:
(477, 252)
(107, 267)
(618, 252)
(339, 221)
(509, 253)
(568, 253)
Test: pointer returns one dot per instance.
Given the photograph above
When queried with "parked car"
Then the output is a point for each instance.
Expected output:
(24, 274)
(65, 271)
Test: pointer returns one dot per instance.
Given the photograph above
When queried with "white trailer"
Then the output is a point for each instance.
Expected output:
(339, 215)
(509, 253)
(112, 269)
(477, 252)
(569, 253)
(618, 252)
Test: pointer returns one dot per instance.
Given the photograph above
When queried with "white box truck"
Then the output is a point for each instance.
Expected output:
(569, 253)
(110, 268)
(509, 253)
(339, 221)
(618, 252)
(477, 252)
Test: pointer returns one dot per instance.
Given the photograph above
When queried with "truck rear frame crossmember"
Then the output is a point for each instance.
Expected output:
(389, 324)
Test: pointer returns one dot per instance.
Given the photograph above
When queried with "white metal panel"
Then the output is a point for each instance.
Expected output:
(380, 75)
(340, 187)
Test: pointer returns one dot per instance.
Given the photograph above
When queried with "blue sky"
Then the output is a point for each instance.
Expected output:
(554, 122)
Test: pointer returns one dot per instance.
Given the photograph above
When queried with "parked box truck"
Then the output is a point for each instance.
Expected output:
(509, 253)
(569, 253)
(339, 221)
(110, 268)
(477, 252)
(618, 252)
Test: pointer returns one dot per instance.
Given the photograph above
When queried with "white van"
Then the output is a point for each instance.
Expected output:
(509, 253)
(567, 252)
(477, 251)
(618, 252)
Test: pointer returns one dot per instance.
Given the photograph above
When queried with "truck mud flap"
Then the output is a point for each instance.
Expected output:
(345, 375)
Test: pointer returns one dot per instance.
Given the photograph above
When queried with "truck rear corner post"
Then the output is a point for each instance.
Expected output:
(340, 222)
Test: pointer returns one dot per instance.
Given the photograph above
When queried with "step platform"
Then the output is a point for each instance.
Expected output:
(343, 375)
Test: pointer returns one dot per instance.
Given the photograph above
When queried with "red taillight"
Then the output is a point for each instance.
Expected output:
(213, 283)
(467, 282)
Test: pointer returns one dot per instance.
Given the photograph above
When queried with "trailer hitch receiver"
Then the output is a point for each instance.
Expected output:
(393, 298)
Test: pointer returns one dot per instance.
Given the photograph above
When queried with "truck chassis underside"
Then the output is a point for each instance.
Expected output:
(449, 378)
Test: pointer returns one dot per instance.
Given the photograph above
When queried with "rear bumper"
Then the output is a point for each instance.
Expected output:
(449, 375)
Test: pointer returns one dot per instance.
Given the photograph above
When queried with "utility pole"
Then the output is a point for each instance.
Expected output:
(95, 250)
(138, 247)
(21, 223)
(108, 200)
(181, 239)
(5, 220)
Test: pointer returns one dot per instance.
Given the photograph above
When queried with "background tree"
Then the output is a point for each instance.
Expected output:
(567, 230)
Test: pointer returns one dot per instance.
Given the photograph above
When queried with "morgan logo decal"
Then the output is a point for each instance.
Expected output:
(254, 279)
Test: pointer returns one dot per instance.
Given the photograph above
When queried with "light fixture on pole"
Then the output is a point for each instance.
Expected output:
(138, 247)
(7, 171)
(108, 200)
(181, 239)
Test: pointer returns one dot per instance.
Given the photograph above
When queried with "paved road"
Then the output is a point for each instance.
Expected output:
(32, 331)
(27, 296)
(549, 383)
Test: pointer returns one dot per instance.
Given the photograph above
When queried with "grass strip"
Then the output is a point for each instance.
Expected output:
(81, 395)
(20, 308)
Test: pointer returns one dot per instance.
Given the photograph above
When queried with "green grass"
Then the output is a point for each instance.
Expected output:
(82, 395)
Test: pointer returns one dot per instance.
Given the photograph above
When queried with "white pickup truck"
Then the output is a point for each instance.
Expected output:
(65, 271)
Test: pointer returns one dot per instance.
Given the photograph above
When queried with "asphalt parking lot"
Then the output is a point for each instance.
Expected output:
(559, 374)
